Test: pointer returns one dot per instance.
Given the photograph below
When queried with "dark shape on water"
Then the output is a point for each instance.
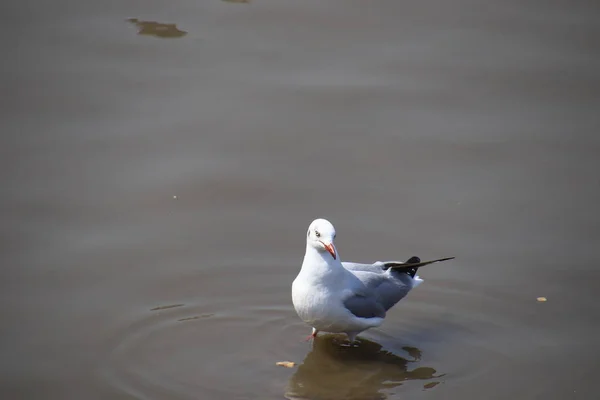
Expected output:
(153, 28)
(413, 352)
(166, 307)
(363, 370)
(195, 317)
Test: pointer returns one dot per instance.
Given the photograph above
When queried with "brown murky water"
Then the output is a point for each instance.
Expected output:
(427, 128)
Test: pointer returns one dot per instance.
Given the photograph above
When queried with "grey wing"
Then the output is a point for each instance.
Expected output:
(364, 306)
(383, 265)
(389, 287)
(413, 262)
(378, 266)
(390, 281)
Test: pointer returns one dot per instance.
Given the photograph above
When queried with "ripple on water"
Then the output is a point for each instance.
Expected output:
(186, 351)
(229, 350)
(190, 351)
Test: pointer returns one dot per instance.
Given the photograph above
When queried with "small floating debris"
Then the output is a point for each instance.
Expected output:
(430, 385)
(287, 364)
(166, 307)
(157, 29)
(174, 197)
(542, 299)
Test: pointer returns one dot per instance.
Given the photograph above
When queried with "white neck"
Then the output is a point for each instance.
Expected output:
(320, 268)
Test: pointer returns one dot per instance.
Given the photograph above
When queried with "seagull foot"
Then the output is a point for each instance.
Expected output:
(313, 335)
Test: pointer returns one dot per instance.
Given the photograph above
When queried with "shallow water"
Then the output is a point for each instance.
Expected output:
(161, 162)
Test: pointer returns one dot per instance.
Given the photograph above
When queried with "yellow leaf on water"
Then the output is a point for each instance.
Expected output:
(541, 299)
(287, 364)
(430, 385)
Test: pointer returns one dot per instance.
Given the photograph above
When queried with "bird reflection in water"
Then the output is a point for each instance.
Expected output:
(365, 371)
(157, 29)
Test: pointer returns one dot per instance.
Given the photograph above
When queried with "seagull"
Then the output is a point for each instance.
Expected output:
(345, 297)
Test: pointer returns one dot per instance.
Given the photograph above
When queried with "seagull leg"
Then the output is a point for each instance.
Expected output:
(313, 335)
(351, 337)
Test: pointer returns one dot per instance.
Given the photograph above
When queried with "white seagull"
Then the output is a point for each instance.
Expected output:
(345, 297)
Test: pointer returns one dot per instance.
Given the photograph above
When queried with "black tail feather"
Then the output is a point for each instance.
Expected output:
(412, 265)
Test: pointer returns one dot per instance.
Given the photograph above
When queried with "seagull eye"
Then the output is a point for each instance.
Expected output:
(317, 234)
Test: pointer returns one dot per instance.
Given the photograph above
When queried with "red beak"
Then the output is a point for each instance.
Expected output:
(330, 249)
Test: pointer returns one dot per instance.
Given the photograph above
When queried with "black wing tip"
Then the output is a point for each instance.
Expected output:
(417, 260)
(412, 265)
(421, 263)
(413, 260)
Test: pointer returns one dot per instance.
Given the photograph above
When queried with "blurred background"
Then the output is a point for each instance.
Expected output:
(161, 160)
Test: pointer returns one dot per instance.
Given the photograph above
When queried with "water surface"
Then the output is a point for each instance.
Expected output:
(161, 162)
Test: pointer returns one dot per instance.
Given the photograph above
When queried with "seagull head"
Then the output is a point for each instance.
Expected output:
(320, 236)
